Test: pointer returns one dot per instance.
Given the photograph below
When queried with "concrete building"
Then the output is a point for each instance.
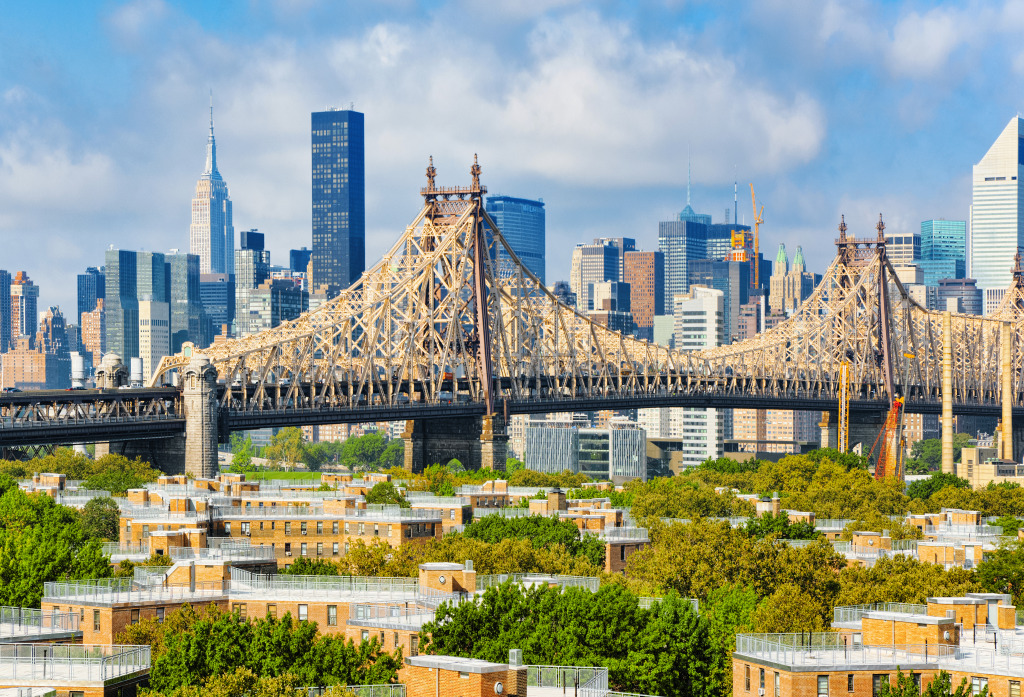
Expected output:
(252, 268)
(623, 245)
(617, 452)
(24, 306)
(960, 295)
(997, 214)
(5, 310)
(521, 222)
(774, 430)
(339, 198)
(154, 334)
(592, 263)
(790, 285)
(94, 333)
(298, 259)
(212, 233)
(274, 301)
(903, 248)
(700, 324)
(564, 293)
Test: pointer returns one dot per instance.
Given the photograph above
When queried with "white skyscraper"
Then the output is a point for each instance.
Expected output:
(700, 324)
(212, 234)
(997, 213)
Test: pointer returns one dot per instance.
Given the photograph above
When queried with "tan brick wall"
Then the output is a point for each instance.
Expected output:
(877, 632)
(967, 615)
(426, 682)
(617, 554)
(806, 684)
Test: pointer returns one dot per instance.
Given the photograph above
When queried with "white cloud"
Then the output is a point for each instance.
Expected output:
(131, 22)
(922, 44)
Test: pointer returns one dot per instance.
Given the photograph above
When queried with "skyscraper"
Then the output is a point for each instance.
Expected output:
(521, 222)
(681, 241)
(997, 213)
(622, 245)
(212, 235)
(121, 304)
(699, 325)
(186, 308)
(5, 311)
(24, 306)
(252, 267)
(298, 259)
(730, 277)
(645, 274)
(91, 286)
(943, 250)
(339, 198)
(592, 263)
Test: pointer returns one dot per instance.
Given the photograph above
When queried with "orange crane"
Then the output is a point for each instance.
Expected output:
(758, 219)
(890, 454)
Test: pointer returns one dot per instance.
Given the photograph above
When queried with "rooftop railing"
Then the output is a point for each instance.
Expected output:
(224, 552)
(832, 523)
(487, 580)
(24, 621)
(391, 615)
(125, 549)
(395, 690)
(426, 502)
(503, 512)
(123, 590)
(622, 534)
(29, 662)
(284, 586)
(646, 603)
(966, 531)
(826, 649)
(855, 613)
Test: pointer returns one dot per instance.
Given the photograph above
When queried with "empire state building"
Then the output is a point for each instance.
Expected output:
(212, 234)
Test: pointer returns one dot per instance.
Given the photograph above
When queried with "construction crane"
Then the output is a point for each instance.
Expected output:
(844, 406)
(758, 219)
(890, 454)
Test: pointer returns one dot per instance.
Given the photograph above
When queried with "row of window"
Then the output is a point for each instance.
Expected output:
(978, 683)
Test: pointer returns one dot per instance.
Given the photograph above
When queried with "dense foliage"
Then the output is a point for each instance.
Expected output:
(288, 447)
(191, 647)
(100, 519)
(541, 531)
(665, 650)
(41, 541)
(779, 526)
(113, 473)
(386, 493)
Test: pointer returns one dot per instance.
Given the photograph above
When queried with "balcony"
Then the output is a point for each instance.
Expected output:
(64, 663)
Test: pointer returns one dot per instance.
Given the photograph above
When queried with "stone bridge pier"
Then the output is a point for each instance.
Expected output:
(478, 442)
(165, 454)
(864, 429)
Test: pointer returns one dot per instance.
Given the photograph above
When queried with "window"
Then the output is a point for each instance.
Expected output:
(822, 686)
(760, 682)
(376, 529)
(778, 684)
(849, 682)
(272, 611)
(408, 531)
(240, 609)
(414, 646)
(145, 532)
(746, 678)
(346, 528)
(332, 615)
(463, 675)
(451, 514)
(261, 522)
(287, 528)
(365, 635)
(160, 615)
(95, 620)
(346, 548)
(303, 527)
(319, 549)
(1014, 688)
(876, 682)
(396, 643)
(319, 527)
(227, 528)
(287, 549)
(273, 525)
(362, 528)
(303, 549)
(387, 530)
(245, 528)
(76, 693)
(303, 613)
(334, 527)
(135, 617)
(336, 552)
(978, 684)
(622, 553)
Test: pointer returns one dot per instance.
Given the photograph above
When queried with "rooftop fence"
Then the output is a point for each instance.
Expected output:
(855, 613)
(827, 649)
(288, 586)
(485, 581)
(65, 662)
(395, 690)
(24, 621)
(123, 590)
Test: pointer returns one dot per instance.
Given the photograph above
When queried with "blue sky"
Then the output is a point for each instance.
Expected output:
(827, 106)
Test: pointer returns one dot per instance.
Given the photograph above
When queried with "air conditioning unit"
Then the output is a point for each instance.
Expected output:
(287, 554)
(760, 692)
(303, 532)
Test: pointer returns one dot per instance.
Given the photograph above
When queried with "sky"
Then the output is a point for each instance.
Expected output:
(828, 107)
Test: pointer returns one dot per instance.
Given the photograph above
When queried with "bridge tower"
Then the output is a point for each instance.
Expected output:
(199, 392)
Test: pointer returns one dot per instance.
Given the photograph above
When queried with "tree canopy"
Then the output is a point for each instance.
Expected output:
(541, 531)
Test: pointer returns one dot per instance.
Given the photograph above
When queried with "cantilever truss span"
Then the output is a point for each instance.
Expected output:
(440, 318)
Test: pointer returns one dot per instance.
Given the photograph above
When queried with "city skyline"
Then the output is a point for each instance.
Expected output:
(798, 140)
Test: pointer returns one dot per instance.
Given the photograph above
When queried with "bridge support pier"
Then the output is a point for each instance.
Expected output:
(829, 429)
(165, 454)
(476, 442)
(864, 429)
(199, 397)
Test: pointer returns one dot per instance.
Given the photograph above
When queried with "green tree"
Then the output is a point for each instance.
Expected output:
(513, 464)
(924, 488)
(902, 579)
(541, 531)
(779, 526)
(286, 447)
(393, 455)
(244, 451)
(363, 452)
(1002, 570)
(728, 611)
(386, 493)
(304, 566)
(1008, 523)
(100, 519)
(940, 686)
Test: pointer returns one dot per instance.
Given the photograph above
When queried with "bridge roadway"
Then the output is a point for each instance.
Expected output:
(85, 416)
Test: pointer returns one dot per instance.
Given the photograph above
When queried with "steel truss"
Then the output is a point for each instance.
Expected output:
(440, 320)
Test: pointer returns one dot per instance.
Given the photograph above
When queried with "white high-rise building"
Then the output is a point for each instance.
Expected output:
(212, 234)
(154, 334)
(700, 324)
(997, 213)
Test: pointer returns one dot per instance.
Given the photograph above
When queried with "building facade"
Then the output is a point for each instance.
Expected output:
(24, 306)
(592, 263)
(700, 324)
(339, 198)
(5, 311)
(645, 274)
(217, 296)
(91, 287)
(730, 277)
(997, 213)
(212, 233)
(521, 222)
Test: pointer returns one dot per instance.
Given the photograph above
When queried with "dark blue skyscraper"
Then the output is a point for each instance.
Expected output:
(91, 286)
(298, 259)
(521, 222)
(339, 198)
